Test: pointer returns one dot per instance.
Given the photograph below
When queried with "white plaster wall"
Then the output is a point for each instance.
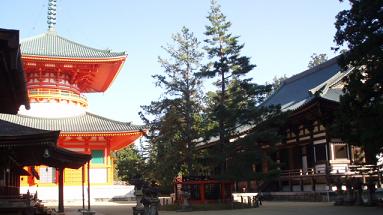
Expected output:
(52, 110)
(245, 196)
(74, 193)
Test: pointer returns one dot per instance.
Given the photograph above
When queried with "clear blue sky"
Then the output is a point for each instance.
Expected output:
(279, 36)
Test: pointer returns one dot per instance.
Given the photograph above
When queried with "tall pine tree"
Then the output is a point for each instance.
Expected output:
(233, 108)
(175, 124)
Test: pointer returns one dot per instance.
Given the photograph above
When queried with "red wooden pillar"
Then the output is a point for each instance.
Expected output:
(221, 185)
(61, 190)
(88, 185)
(202, 192)
(82, 185)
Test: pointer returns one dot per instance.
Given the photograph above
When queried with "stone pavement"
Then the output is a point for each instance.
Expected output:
(268, 208)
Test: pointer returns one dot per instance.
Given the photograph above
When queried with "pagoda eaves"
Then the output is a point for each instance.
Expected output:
(50, 44)
(90, 69)
(120, 134)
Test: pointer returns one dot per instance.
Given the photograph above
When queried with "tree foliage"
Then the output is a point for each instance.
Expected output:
(317, 59)
(233, 108)
(276, 83)
(129, 163)
(175, 116)
(360, 119)
(232, 112)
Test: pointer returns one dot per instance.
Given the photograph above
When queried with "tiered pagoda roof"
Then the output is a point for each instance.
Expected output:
(50, 44)
(95, 69)
(86, 123)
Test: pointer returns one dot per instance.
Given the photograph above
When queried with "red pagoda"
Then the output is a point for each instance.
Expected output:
(59, 72)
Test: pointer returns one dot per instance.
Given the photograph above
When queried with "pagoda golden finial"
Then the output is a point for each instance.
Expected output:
(51, 15)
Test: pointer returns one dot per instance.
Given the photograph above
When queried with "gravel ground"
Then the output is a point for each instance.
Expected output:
(268, 208)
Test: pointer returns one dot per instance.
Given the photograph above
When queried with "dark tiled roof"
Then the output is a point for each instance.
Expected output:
(83, 123)
(9, 129)
(300, 89)
(27, 146)
(52, 45)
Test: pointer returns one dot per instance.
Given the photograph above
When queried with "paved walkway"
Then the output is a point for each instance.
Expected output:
(268, 208)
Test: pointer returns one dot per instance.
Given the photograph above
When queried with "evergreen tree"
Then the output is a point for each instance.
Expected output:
(130, 163)
(276, 83)
(223, 51)
(360, 119)
(175, 123)
(233, 108)
(317, 59)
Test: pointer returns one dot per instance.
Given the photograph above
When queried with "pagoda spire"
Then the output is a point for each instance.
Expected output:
(52, 15)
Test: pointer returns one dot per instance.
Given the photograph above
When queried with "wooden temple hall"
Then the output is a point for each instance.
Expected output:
(310, 157)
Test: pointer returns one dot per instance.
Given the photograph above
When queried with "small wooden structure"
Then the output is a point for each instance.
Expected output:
(203, 189)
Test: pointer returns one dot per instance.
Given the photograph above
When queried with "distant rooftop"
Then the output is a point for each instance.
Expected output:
(302, 88)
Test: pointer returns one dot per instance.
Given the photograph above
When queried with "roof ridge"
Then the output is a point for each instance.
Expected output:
(302, 75)
(51, 43)
(335, 79)
(322, 88)
(311, 70)
(341, 76)
(33, 37)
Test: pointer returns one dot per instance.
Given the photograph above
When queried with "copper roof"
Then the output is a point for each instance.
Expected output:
(50, 44)
(87, 122)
